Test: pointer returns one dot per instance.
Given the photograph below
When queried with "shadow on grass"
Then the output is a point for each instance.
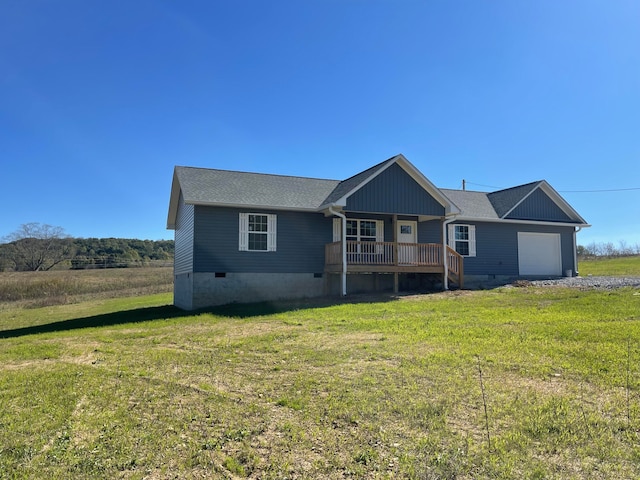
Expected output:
(233, 310)
(104, 320)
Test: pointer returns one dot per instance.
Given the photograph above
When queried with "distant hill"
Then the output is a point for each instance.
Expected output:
(99, 253)
(119, 252)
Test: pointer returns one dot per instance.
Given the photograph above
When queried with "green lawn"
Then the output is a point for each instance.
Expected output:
(376, 388)
(617, 266)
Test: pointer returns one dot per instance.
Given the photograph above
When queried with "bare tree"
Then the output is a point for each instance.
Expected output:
(35, 247)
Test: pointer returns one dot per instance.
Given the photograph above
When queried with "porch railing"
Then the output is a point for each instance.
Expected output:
(385, 253)
(395, 254)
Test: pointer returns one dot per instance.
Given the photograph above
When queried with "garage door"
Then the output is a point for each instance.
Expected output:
(539, 254)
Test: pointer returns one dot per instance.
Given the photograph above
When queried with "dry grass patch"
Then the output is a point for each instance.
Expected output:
(61, 287)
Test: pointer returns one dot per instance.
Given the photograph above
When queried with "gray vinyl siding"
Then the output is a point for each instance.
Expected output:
(497, 247)
(538, 206)
(301, 239)
(183, 258)
(394, 191)
(430, 232)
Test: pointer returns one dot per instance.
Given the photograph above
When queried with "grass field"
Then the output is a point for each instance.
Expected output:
(377, 388)
(58, 287)
(618, 266)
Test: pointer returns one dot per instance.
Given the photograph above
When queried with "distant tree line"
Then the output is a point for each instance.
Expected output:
(608, 249)
(119, 252)
(38, 247)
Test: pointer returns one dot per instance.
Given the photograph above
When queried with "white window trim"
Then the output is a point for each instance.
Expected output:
(243, 232)
(471, 241)
(337, 228)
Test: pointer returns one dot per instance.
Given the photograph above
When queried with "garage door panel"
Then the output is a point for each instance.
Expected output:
(539, 254)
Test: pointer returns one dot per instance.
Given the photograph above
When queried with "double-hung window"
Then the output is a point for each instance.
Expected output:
(257, 232)
(359, 233)
(360, 230)
(462, 238)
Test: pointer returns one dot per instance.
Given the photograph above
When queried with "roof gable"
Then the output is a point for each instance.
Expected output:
(538, 206)
(394, 191)
(536, 201)
(348, 188)
(504, 201)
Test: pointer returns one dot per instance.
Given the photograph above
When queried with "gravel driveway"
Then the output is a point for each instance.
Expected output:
(589, 281)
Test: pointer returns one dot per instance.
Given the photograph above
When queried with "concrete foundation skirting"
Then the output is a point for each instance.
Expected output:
(473, 282)
(210, 290)
(183, 291)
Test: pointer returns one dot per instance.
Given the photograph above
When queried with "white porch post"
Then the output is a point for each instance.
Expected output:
(445, 258)
(343, 241)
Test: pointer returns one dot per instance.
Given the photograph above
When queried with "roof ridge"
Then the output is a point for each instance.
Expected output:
(377, 165)
(517, 186)
(461, 190)
(258, 173)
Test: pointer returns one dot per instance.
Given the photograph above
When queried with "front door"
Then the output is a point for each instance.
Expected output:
(407, 236)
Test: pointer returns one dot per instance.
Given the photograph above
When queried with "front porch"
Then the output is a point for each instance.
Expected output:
(394, 257)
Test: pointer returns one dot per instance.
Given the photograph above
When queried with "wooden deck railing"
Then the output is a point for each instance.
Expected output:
(456, 266)
(381, 254)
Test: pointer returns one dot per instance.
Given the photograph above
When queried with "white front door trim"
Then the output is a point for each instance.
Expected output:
(407, 233)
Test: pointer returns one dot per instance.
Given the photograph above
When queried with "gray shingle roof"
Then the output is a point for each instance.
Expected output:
(204, 186)
(224, 187)
(504, 200)
(471, 204)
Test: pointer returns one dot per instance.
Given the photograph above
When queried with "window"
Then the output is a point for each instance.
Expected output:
(360, 230)
(359, 233)
(257, 232)
(363, 230)
(462, 238)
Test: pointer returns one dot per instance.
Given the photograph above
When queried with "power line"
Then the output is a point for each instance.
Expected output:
(565, 191)
(481, 185)
(599, 191)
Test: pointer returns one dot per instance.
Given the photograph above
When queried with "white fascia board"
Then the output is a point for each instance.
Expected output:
(343, 200)
(520, 202)
(173, 202)
(426, 184)
(555, 197)
(522, 222)
(561, 202)
(250, 205)
(338, 205)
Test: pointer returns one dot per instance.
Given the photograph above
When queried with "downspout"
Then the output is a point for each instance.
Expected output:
(343, 239)
(575, 250)
(445, 258)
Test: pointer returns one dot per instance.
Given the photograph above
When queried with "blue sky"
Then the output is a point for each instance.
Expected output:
(100, 99)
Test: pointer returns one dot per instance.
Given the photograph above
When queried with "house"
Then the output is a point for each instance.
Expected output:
(244, 237)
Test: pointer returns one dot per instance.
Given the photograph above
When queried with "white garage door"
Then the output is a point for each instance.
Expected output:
(539, 254)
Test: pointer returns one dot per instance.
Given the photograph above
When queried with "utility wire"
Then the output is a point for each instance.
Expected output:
(599, 191)
(565, 191)
(481, 185)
